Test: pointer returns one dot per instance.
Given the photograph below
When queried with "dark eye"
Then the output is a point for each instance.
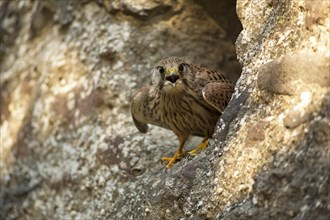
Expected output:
(161, 69)
(181, 67)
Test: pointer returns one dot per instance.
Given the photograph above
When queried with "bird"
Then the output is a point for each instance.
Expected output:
(185, 98)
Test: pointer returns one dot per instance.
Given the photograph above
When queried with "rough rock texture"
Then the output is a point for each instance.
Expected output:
(69, 148)
(284, 75)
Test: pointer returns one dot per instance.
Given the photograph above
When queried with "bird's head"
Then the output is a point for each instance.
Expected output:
(172, 74)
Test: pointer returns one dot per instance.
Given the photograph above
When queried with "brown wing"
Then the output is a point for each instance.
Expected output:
(137, 105)
(142, 127)
(214, 86)
(218, 94)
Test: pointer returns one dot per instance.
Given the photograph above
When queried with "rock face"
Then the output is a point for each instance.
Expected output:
(69, 148)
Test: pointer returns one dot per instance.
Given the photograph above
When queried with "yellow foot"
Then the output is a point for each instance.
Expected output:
(200, 147)
(171, 160)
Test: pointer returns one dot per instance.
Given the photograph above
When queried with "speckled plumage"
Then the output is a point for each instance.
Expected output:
(184, 98)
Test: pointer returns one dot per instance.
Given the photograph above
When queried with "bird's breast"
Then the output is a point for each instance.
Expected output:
(187, 113)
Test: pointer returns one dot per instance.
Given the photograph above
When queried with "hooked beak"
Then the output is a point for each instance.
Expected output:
(172, 76)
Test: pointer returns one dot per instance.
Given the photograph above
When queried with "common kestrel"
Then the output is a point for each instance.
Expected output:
(185, 98)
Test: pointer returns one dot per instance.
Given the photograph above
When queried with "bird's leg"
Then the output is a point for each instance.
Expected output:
(201, 146)
(177, 156)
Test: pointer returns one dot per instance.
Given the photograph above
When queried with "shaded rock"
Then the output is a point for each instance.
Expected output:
(43, 14)
(230, 113)
(9, 25)
(140, 9)
(224, 13)
(326, 105)
(181, 189)
(297, 186)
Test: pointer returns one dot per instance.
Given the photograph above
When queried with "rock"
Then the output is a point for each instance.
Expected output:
(66, 83)
(10, 25)
(286, 179)
(141, 9)
(302, 112)
(230, 113)
(289, 74)
(298, 181)
(69, 144)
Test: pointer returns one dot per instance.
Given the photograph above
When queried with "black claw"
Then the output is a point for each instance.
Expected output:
(165, 170)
